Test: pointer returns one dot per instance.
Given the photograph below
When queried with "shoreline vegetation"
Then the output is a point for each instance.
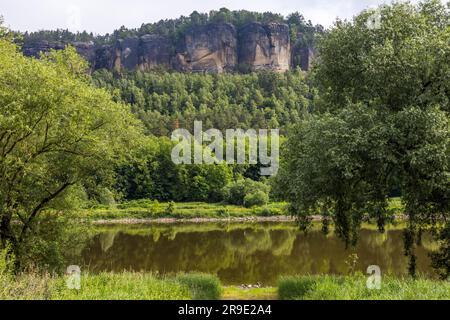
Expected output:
(146, 286)
(148, 211)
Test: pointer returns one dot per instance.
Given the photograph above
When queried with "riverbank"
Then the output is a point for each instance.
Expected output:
(148, 211)
(110, 286)
(141, 286)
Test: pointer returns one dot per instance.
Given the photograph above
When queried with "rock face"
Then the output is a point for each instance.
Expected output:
(35, 48)
(214, 48)
(302, 54)
(104, 58)
(155, 52)
(126, 54)
(265, 47)
(210, 48)
(87, 50)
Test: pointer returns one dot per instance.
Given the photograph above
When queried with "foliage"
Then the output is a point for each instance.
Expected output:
(3, 30)
(402, 63)
(54, 242)
(164, 101)
(354, 288)
(441, 259)
(104, 286)
(57, 134)
(202, 286)
(258, 198)
(191, 210)
(7, 261)
(152, 174)
(381, 124)
(236, 192)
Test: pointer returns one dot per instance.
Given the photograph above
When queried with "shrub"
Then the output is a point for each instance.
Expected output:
(264, 212)
(259, 198)
(235, 192)
(202, 286)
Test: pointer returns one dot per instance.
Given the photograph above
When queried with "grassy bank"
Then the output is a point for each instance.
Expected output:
(354, 288)
(109, 286)
(153, 210)
(141, 286)
(147, 209)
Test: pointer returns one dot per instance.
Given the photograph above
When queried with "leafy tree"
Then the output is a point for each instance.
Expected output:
(57, 134)
(382, 123)
(152, 174)
(3, 30)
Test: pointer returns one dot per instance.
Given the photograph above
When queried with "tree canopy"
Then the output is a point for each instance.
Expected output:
(57, 134)
(381, 123)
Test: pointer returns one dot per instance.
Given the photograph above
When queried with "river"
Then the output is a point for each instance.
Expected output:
(246, 253)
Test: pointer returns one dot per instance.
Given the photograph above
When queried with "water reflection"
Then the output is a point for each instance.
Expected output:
(245, 253)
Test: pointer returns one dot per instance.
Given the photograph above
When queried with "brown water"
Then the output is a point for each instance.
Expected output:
(245, 253)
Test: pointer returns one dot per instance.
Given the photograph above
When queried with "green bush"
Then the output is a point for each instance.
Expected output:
(235, 192)
(259, 198)
(202, 286)
(263, 212)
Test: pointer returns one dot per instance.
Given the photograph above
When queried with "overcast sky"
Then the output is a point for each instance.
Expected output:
(103, 16)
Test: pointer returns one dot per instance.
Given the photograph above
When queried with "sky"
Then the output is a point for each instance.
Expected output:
(104, 16)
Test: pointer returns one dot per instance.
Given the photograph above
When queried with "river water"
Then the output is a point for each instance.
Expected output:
(246, 253)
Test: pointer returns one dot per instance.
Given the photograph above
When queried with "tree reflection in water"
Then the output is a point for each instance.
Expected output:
(241, 253)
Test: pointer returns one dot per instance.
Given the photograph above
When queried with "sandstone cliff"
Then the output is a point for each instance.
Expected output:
(210, 48)
(265, 47)
(215, 47)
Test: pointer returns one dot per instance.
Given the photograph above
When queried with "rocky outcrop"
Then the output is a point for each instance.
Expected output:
(302, 53)
(215, 48)
(126, 54)
(87, 50)
(155, 52)
(35, 48)
(104, 57)
(210, 48)
(265, 47)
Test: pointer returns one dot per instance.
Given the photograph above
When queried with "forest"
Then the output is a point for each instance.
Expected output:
(370, 121)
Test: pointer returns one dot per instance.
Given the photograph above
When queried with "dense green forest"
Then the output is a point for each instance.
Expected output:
(257, 100)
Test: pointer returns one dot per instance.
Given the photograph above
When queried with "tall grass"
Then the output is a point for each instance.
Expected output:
(202, 286)
(109, 286)
(354, 288)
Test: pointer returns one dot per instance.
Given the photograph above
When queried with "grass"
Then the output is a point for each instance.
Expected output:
(109, 286)
(354, 288)
(202, 286)
(147, 209)
(236, 293)
(144, 286)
